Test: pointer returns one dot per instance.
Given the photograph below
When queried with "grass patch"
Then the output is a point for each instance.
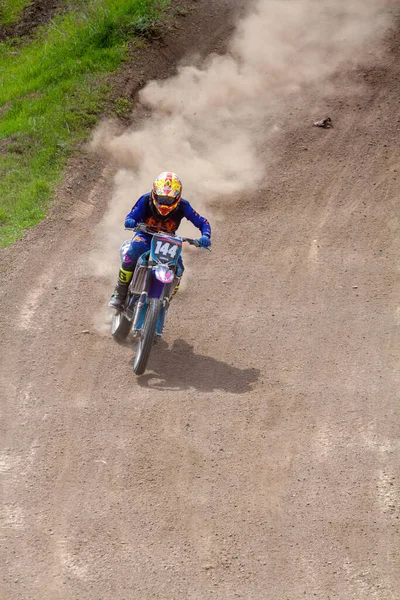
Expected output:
(11, 10)
(53, 89)
(123, 107)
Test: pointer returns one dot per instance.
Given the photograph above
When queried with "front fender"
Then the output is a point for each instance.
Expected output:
(156, 287)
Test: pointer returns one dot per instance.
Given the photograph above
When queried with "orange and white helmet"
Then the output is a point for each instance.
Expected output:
(166, 194)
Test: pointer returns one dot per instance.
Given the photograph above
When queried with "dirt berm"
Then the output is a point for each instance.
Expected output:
(258, 458)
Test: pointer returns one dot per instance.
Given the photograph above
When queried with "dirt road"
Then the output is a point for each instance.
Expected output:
(259, 456)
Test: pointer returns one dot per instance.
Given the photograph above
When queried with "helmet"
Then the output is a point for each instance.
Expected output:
(166, 194)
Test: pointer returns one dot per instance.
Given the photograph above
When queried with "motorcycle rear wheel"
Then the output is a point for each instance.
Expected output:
(120, 326)
(146, 339)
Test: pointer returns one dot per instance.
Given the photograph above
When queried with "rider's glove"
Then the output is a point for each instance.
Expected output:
(130, 223)
(204, 241)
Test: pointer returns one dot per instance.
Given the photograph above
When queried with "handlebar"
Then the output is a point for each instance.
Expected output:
(141, 227)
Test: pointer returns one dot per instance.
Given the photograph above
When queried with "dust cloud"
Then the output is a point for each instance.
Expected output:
(207, 123)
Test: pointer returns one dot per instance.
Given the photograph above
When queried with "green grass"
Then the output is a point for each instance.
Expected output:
(11, 10)
(53, 90)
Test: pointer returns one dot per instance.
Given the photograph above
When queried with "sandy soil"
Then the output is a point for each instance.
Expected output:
(259, 456)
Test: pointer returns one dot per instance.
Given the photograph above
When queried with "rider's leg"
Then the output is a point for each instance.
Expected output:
(179, 273)
(139, 244)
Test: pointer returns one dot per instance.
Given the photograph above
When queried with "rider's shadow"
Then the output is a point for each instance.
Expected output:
(179, 367)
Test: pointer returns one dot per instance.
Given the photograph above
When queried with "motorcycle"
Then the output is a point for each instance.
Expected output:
(157, 275)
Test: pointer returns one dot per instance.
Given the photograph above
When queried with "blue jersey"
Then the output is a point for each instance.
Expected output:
(144, 212)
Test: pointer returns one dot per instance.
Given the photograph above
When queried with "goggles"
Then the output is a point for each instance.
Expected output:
(166, 200)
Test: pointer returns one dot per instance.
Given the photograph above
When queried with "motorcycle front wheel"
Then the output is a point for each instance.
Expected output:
(146, 339)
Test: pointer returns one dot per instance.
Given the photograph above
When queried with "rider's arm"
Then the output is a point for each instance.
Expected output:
(138, 211)
(197, 220)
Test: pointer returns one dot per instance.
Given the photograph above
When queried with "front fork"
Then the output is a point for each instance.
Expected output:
(142, 304)
(162, 317)
(165, 306)
(141, 308)
(140, 314)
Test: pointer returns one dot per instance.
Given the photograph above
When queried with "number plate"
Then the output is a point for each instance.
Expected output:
(165, 250)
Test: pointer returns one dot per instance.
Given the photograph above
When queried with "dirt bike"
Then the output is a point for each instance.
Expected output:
(157, 275)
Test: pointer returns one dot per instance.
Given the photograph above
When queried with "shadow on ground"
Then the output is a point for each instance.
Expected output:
(178, 367)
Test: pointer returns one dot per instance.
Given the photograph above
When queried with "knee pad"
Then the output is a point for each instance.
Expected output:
(125, 276)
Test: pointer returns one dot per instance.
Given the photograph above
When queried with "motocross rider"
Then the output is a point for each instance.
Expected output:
(162, 209)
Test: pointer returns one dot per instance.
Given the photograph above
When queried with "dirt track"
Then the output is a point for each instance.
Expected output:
(259, 458)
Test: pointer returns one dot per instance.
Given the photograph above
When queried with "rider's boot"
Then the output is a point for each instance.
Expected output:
(176, 288)
(121, 289)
